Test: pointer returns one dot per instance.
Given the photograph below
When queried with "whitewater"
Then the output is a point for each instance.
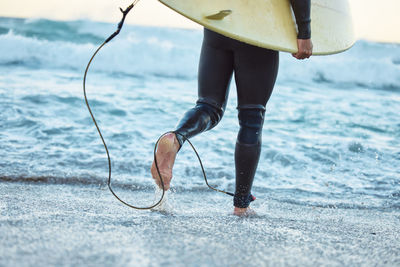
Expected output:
(329, 168)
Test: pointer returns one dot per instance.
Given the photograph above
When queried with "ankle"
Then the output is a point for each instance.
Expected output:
(171, 140)
(239, 211)
(243, 212)
(178, 141)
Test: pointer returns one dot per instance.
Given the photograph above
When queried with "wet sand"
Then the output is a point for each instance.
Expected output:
(70, 225)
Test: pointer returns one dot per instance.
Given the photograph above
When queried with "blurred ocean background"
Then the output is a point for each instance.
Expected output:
(331, 136)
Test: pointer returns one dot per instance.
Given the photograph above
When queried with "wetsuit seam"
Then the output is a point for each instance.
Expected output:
(247, 145)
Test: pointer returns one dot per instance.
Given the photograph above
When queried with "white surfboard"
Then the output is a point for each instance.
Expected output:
(271, 23)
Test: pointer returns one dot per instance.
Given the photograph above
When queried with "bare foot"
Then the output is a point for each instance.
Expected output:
(244, 212)
(166, 153)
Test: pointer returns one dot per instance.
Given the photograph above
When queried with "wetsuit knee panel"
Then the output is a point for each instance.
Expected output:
(251, 122)
(214, 112)
(200, 118)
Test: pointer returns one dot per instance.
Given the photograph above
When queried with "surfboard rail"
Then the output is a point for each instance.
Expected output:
(271, 24)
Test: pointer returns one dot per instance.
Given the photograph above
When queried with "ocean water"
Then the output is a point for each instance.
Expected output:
(331, 136)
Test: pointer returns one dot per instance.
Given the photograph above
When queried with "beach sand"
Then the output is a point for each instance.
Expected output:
(69, 225)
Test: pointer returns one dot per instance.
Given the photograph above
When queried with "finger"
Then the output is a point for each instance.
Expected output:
(306, 54)
(301, 56)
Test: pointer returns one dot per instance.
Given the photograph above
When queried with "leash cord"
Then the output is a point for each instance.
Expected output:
(120, 24)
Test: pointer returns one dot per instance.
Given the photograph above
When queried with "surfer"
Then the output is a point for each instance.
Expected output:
(255, 71)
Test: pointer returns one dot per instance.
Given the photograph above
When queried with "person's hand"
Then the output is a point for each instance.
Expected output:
(305, 48)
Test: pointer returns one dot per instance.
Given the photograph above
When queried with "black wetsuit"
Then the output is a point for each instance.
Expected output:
(255, 71)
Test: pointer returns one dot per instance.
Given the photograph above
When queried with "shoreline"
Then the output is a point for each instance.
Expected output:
(57, 224)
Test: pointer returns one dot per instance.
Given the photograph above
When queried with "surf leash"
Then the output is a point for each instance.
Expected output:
(120, 24)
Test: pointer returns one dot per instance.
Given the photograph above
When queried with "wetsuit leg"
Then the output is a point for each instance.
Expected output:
(247, 154)
(214, 77)
(200, 118)
(255, 73)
